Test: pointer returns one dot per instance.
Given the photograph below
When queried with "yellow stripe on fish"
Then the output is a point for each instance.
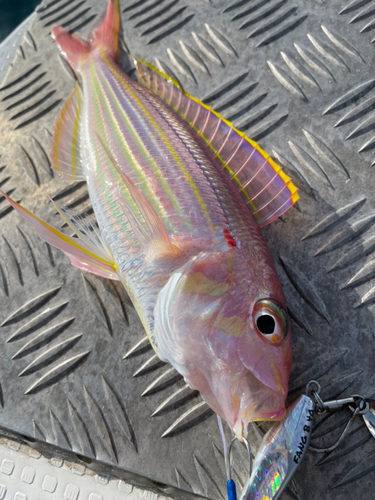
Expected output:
(75, 136)
(170, 147)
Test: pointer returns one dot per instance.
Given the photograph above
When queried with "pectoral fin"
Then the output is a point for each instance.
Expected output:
(264, 186)
(82, 252)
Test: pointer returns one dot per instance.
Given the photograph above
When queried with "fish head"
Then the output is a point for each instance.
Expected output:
(221, 321)
(252, 344)
(264, 349)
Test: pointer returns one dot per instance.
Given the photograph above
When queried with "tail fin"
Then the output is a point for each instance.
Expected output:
(104, 36)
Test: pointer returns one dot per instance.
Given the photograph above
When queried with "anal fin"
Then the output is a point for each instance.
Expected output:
(267, 190)
(86, 252)
(65, 151)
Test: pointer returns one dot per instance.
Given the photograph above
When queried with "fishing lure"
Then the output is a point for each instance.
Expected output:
(285, 445)
(179, 196)
(281, 452)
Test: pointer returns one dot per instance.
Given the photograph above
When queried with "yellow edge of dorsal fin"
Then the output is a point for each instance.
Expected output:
(255, 145)
(146, 79)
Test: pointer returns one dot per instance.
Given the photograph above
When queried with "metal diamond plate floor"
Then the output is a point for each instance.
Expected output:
(76, 371)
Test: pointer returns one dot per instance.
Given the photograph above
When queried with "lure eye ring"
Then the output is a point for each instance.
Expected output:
(271, 321)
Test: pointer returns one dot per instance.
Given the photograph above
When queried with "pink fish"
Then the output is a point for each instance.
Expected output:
(179, 195)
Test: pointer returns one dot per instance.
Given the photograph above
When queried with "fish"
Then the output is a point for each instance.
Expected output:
(179, 197)
(281, 452)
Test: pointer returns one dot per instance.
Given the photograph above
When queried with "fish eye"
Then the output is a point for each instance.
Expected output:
(266, 324)
(271, 321)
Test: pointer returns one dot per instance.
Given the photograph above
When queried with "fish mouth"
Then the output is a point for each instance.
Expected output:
(273, 415)
(261, 412)
(259, 402)
(253, 415)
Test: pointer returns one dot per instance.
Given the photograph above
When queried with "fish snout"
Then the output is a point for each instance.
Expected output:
(272, 407)
(259, 402)
(269, 364)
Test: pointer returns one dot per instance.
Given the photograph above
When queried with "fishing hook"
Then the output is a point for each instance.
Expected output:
(229, 457)
(340, 439)
(361, 405)
(231, 486)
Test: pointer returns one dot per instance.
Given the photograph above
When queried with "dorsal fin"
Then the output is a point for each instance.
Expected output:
(65, 150)
(264, 186)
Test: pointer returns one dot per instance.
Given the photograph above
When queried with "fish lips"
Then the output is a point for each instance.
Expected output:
(259, 402)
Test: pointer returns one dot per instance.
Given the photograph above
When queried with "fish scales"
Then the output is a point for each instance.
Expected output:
(156, 164)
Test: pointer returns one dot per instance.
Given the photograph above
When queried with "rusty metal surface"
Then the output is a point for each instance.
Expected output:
(75, 368)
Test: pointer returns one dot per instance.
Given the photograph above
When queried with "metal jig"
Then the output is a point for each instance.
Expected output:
(290, 439)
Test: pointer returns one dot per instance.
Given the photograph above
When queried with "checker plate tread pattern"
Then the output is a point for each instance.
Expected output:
(76, 370)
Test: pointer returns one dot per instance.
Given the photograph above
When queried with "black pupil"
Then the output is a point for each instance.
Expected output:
(266, 324)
